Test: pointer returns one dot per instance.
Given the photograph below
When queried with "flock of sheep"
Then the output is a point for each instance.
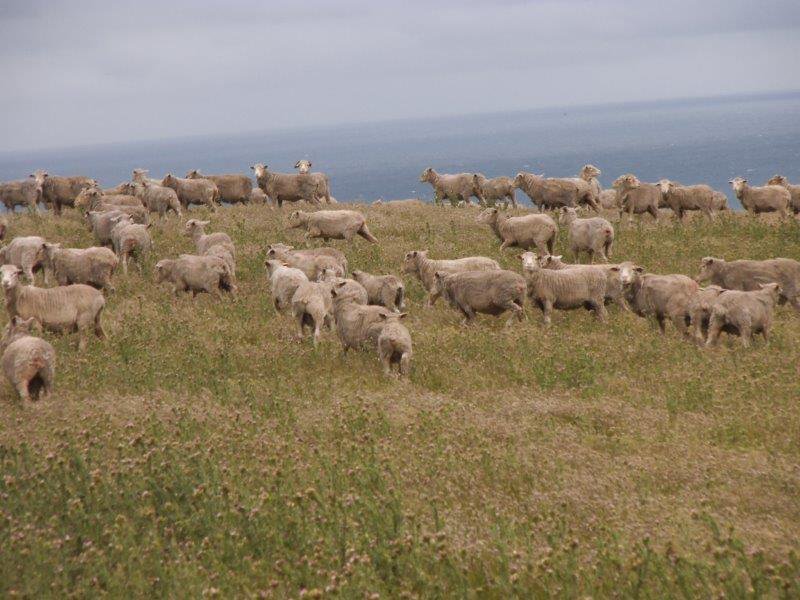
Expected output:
(366, 309)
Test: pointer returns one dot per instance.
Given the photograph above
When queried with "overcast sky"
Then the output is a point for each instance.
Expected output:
(81, 72)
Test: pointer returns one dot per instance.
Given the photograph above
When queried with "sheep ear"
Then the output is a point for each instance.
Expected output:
(639, 269)
(402, 315)
(615, 269)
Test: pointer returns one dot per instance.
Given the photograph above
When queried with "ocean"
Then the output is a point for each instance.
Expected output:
(691, 141)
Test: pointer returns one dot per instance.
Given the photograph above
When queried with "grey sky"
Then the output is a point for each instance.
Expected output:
(83, 72)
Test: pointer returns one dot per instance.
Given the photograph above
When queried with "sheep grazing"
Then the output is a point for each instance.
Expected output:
(417, 263)
(698, 311)
(318, 182)
(613, 290)
(29, 362)
(684, 198)
(454, 188)
(59, 192)
(748, 275)
(383, 290)
(156, 198)
(394, 345)
(130, 240)
(287, 187)
(595, 235)
(794, 191)
(524, 232)
(346, 288)
(757, 200)
(332, 224)
(551, 193)
(745, 314)
(636, 197)
(92, 266)
(492, 191)
(27, 253)
(356, 323)
(312, 261)
(565, 289)
(61, 309)
(25, 192)
(284, 282)
(312, 306)
(232, 188)
(196, 274)
(662, 296)
(193, 191)
(488, 292)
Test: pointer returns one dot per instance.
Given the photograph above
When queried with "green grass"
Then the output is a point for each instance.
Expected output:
(200, 450)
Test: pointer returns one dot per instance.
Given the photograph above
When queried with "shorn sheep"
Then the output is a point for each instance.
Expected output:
(684, 198)
(312, 306)
(382, 290)
(232, 188)
(130, 240)
(193, 191)
(29, 362)
(311, 261)
(594, 236)
(286, 187)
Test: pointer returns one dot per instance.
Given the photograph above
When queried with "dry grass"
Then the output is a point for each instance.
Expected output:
(200, 450)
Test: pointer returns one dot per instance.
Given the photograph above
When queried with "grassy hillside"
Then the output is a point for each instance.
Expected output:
(200, 450)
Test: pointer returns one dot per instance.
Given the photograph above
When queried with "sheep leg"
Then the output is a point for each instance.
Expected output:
(22, 390)
(516, 311)
(125, 263)
(386, 361)
(469, 314)
(98, 326)
(600, 312)
(317, 333)
(714, 328)
(547, 310)
(405, 364)
(300, 329)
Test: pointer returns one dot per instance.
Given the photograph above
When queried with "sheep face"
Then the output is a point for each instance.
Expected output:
(529, 259)
(259, 169)
(303, 166)
(273, 250)
(778, 180)
(548, 261)
(160, 271)
(328, 274)
(427, 175)
(628, 272)
(411, 261)
(738, 184)
(775, 291)
(567, 214)
(17, 327)
(707, 268)
(51, 249)
(295, 219)
(488, 215)
(590, 171)
(194, 226)
(87, 197)
(9, 276)
(626, 182)
(666, 185)
(438, 282)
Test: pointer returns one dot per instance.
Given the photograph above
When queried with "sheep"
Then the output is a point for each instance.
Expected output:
(140, 176)
(156, 198)
(318, 182)
(120, 188)
(595, 235)
(524, 232)
(193, 191)
(794, 191)
(284, 281)
(93, 266)
(346, 287)
(312, 306)
(748, 275)
(565, 289)
(332, 224)
(195, 274)
(257, 196)
(613, 291)
(637, 197)
(27, 253)
(94, 196)
(719, 201)
(383, 290)
(130, 239)
(58, 192)
(608, 199)
(757, 200)
(75, 307)
(203, 241)
(25, 192)
(450, 187)
(93, 201)
(29, 362)
(698, 311)
(663, 296)
(232, 188)
(101, 224)
(285, 187)
(394, 344)
(551, 193)
(743, 313)
(488, 292)
(355, 322)
(416, 262)
(588, 185)
(491, 191)
(684, 198)
(311, 261)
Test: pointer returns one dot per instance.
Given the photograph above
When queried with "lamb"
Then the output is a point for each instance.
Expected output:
(637, 197)
(29, 362)
(757, 200)
(311, 261)
(492, 191)
(156, 198)
(355, 323)
(613, 291)
(65, 308)
(794, 191)
(58, 192)
(130, 240)
(743, 313)
(698, 311)
(25, 192)
(101, 224)
(684, 198)
(196, 274)
(524, 232)
(332, 224)
(565, 289)
(284, 282)
(312, 306)
(382, 290)
(417, 263)
(394, 345)
(748, 275)
(595, 235)
(449, 187)
(488, 292)
(232, 188)
(347, 288)
(193, 191)
(663, 296)
(285, 187)
(27, 253)
(93, 266)
(318, 182)
(551, 193)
